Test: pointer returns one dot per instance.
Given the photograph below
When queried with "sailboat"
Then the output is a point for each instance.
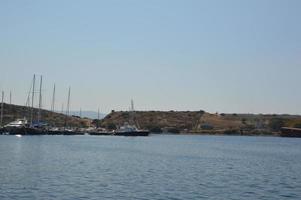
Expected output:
(22, 126)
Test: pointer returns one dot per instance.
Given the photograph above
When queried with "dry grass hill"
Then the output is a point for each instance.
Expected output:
(202, 122)
(13, 112)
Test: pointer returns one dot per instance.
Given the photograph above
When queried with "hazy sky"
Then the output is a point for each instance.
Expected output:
(226, 56)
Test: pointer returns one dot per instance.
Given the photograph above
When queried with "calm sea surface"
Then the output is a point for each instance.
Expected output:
(155, 167)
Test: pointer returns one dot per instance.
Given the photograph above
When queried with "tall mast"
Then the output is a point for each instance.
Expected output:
(1, 117)
(9, 97)
(68, 107)
(62, 108)
(53, 99)
(27, 104)
(32, 98)
(68, 103)
(98, 118)
(132, 105)
(40, 101)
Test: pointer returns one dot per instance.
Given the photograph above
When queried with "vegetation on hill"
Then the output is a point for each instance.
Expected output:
(202, 122)
(12, 112)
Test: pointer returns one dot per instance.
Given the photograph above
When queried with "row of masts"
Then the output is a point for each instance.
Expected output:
(31, 100)
(33, 97)
(30, 105)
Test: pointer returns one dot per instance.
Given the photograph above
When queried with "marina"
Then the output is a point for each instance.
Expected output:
(40, 127)
(150, 100)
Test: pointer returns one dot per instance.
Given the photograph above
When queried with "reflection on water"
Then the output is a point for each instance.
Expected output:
(155, 167)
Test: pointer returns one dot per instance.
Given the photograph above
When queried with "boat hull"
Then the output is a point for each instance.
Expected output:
(99, 133)
(24, 131)
(64, 132)
(132, 133)
(291, 132)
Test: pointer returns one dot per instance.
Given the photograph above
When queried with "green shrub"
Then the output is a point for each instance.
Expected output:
(111, 126)
(125, 114)
(207, 127)
(297, 125)
(276, 124)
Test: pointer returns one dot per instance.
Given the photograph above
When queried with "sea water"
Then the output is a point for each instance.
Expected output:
(154, 167)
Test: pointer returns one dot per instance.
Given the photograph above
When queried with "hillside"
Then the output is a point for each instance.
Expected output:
(12, 112)
(202, 122)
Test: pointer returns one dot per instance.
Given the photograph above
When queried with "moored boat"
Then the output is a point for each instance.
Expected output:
(21, 127)
(290, 132)
(130, 130)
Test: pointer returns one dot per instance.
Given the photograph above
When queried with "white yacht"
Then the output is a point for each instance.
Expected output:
(18, 123)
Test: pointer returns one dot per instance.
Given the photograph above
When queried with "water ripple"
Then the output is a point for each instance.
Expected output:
(156, 167)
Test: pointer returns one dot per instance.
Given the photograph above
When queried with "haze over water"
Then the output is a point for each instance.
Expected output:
(155, 167)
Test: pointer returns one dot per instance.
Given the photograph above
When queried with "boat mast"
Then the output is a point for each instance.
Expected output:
(68, 103)
(98, 118)
(32, 99)
(1, 117)
(53, 99)
(62, 111)
(27, 104)
(40, 101)
(132, 105)
(131, 113)
(68, 106)
(9, 97)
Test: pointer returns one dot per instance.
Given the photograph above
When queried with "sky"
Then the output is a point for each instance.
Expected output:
(234, 56)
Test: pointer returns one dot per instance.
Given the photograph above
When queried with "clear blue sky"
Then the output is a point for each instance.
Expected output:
(227, 56)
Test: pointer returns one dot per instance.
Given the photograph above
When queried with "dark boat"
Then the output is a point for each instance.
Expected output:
(26, 131)
(72, 132)
(63, 131)
(128, 130)
(99, 133)
(290, 132)
(132, 133)
(2, 131)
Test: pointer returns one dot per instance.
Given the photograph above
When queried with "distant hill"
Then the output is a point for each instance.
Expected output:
(202, 122)
(88, 114)
(13, 112)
